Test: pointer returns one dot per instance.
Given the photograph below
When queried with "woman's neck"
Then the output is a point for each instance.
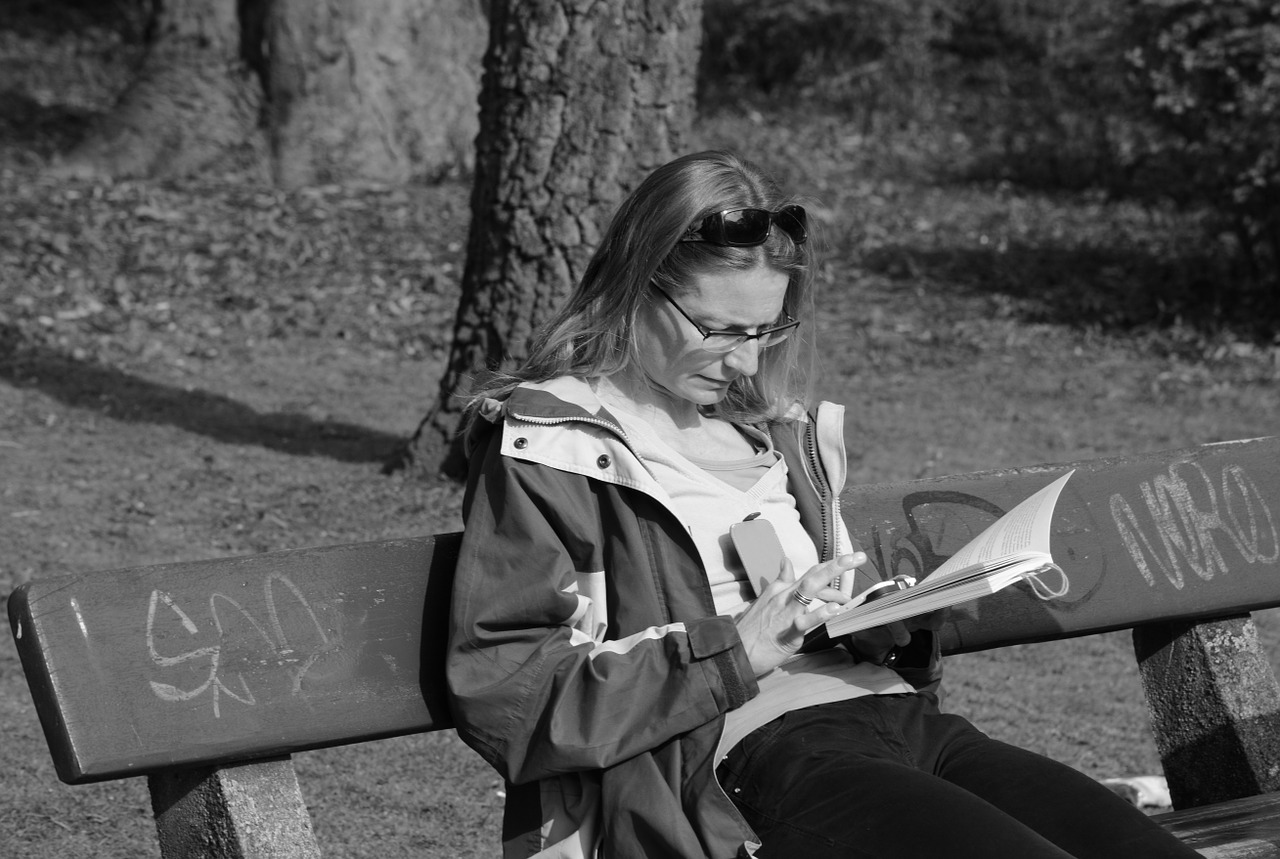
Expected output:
(679, 423)
(662, 411)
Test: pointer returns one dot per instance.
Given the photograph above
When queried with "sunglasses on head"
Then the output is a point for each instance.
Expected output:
(744, 228)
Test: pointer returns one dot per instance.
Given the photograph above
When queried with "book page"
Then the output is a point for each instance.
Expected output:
(1007, 550)
(1023, 530)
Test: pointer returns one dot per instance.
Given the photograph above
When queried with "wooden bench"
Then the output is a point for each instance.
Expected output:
(205, 677)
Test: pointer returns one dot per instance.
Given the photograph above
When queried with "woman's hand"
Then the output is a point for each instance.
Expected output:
(774, 626)
(878, 642)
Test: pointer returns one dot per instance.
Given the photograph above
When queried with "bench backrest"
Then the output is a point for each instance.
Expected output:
(172, 666)
(1183, 534)
(138, 670)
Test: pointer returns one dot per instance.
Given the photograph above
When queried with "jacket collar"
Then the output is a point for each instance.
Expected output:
(563, 424)
(535, 411)
(565, 398)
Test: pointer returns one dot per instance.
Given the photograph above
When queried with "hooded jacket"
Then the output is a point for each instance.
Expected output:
(586, 661)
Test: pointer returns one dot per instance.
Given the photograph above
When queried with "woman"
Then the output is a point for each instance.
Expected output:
(609, 655)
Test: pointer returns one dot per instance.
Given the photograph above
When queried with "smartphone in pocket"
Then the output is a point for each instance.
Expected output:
(759, 549)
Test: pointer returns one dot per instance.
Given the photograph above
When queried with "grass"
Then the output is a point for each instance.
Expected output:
(210, 368)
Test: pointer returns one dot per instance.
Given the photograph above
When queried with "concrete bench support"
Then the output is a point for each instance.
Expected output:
(245, 811)
(1215, 708)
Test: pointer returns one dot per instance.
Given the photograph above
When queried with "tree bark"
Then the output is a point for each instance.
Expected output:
(339, 90)
(194, 98)
(580, 100)
(379, 90)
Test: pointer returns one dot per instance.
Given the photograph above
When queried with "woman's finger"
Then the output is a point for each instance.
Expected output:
(833, 594)
(829, 574)
(933, 621)
(811, 620)
(820, 584)
(788, 572)
(901, 635)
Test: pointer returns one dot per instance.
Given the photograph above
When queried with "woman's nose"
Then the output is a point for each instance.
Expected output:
(745, 357)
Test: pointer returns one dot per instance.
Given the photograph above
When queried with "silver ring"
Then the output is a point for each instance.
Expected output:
(802, 599)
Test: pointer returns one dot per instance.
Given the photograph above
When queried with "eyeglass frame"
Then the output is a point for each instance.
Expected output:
(711, 229)
(740, 337)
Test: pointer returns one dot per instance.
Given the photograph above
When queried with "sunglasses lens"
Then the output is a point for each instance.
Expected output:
(746, 226)
(791, 220)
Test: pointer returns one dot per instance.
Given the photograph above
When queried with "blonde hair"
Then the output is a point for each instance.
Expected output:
(591, 335)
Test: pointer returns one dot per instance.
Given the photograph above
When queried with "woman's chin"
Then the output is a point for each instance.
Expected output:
(707, 393)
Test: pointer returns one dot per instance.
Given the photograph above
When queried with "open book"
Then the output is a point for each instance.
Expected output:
(1014, 547)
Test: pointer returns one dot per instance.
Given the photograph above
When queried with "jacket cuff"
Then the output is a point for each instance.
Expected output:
(715, 640)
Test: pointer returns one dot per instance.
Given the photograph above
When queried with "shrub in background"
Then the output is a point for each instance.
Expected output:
(873, 58)
(1210, 73)
(1171, 103)
(1037, 86)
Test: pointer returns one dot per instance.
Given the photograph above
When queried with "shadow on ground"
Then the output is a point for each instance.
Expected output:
(1113, 289)
(121, 396)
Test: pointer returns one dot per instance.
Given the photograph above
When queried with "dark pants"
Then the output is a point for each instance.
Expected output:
(890, 777)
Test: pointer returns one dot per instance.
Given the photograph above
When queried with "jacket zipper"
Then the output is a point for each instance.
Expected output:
(819, 477)
(613, 428)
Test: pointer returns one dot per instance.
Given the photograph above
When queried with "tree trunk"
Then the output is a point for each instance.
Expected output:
(194, 98)
(580, 100)
(380, 90)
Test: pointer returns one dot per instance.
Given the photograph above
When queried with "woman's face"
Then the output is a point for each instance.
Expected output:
(669, 347)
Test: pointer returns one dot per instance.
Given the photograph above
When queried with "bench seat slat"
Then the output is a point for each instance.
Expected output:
(1246, 828)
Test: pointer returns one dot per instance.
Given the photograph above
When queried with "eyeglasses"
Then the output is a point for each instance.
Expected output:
(727, 341)
(745, 228)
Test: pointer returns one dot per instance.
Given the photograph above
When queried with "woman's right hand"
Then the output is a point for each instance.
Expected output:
(774, 626)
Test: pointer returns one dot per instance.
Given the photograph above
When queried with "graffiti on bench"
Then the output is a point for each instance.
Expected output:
(1189, 520)
(289, 643)
(1190, 517)
(925, 547)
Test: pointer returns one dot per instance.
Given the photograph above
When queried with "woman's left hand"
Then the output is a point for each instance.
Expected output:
(877, 643)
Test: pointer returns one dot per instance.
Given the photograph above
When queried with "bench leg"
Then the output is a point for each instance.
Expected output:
(247, 811)
(1215, 708)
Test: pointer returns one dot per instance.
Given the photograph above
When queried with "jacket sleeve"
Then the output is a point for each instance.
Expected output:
(538, 687)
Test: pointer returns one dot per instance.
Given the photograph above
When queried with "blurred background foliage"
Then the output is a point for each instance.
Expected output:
(1161, 102)
(1163, 110)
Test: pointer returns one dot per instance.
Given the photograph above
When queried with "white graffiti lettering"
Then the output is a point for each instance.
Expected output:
(1191, 515)
(278, 648)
